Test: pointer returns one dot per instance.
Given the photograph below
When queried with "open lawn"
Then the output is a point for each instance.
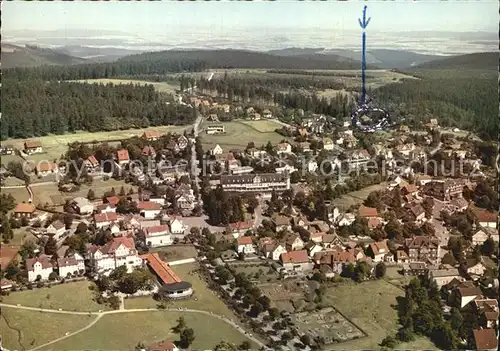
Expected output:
(125, 331)
(161, 87)
(261, 274)
(173, 253)
(368, 305)
(24, 330)
(357, 197)
(21, 235)
(5, 159)
(20, 194)
(203, 298)
(74, 296)
(239, 134)
(263, 126)
(55, 145)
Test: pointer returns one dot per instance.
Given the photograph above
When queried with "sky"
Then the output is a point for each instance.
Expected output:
(145, 19)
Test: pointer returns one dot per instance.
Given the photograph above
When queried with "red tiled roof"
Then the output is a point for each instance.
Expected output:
(105, 217)
(162, 269)
(44, 260)
(295, 257)
(244, 240)
(374, 222)
(241, 225)
(379, 248)
(485, 339)
(7, 254)
(157, 229)
(66, 262)
(24, 207)
(32, 144)
(148, 206)
(92, 160)
(337, 256)
(122, 155)
(367, 211)
(164, 345)
(148, 150)
(112, 245)
(150, 134)
(45, 166)
(113, 200)
(484, 215)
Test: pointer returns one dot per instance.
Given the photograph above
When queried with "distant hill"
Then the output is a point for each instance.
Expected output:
(248, 59)
(480, 61)
(99, 54)
(30, 56)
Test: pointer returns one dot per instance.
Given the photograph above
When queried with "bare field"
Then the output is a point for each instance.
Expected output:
(161, 87)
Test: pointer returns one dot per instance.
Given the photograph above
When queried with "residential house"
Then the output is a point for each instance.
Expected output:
(24, 209)
(444, 276)
(296, 261)
(433, 123)
(238, 229)
(328, 144)
(402, 257)
(182, 142)
(177, 227)
(379, 252)
(317, 237)
(332, 240)
(39, 268)
(217, 150)
(213, 117)
(475, 268)
(56, 229)
(465, 295)
(416, 213)
(485, 218)
(479, 237)
(122, 157)
(415, 269)
(333, 212)
(487, 310)
(158, 236)
(91, 164)
(346, 219)
(422, 248)
(300, 221)
(423, 179)
(151, 135)
(358, 158)
(71, 265)
(6, 150)
(231, 162)
(164, 345)
(105, 219)
(120, 251)
(349, 141)
(272, 249)
(44, 169)
(184, 203)
(293, 242)
(485, 339)
(148, 151)
(82, 205)
(282, 223)
(405, 149)
(107, 207)
(267, 114)
(312, 248)
(283, 148)
(337, 260)
(312, 166)
(148, 209)
(367, 212)
(245, 245)
(113, 200)
(33, 147)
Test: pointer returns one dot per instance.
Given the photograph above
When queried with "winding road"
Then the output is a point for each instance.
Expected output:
(101, 314)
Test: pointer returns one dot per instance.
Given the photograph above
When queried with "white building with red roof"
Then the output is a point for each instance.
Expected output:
(122, 157)
(120, 251)
(158, 235)
(39, 266)
(149, 209)
(71, 265)
(105, 219)
(245, 245)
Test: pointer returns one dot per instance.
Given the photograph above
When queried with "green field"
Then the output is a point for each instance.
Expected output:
(203, 298)
(74, 296)
(356, 197)
(125, 331)
(368, 305)
(240, 133)
(161, 87)
(24, 330)
(56, 145)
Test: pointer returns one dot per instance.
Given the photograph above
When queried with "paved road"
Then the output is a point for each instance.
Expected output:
(100, 314)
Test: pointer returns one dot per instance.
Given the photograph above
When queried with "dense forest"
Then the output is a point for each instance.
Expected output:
(465, 102)
(34, 108)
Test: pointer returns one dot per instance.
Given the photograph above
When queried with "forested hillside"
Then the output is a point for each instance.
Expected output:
(463, 99)
(30, 56)
(34, 108)
(480, 61)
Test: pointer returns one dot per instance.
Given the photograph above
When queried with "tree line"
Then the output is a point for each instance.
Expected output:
(36, 108)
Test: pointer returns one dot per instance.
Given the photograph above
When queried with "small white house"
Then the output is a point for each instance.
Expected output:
(217, 150)
(57, 229)
(82, 205)
(39, 267)
(177, 226)
(72, 265)
(284, 148)
(149, 209)
(277, 251)
(158, 236)
(312, 166)
(245, 245)
(479, 238)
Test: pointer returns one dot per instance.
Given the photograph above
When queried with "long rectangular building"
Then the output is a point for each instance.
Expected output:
(259, 183)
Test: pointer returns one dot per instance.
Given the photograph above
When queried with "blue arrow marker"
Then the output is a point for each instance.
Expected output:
(363, 24)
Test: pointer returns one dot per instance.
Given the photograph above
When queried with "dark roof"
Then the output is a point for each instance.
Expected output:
(176, 286)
